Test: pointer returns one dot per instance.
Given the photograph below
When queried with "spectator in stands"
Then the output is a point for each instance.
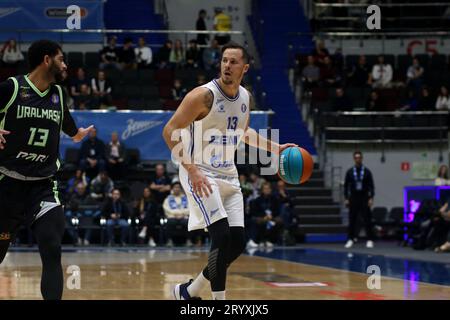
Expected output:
(442, 176)
(200, 25)
(359, 191)
(320, 53)
(266, 219)
(211, 56)
(75, 86)
(414, 75)
(149, 213)
(256, 182)
(65, 85)
(192, 55)
(411, 102)
(84, 101)
(443, 99)
(12, 55)
(76, 209)
(177, 213)
(101, 187)
(127, 59)
(201, 79)
(116, 212)
(310, 74)
(178, 91)
(115, 157)
(360, 76)
(341, 102)
(79, 177)
(222, 22)
(338, 60)
(426, 101)
(328, 74)
(177, 54)
(246, 187)
(285, 202)
(109, 55)
(163, 55)
(92, 154)
(101, 89)
(382, 74)
(160, 186)
(144, 55)
(444, 226)
(374, 102)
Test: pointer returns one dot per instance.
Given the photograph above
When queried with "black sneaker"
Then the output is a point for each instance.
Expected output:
(180, 292)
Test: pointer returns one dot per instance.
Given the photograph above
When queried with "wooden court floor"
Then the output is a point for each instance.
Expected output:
(151, 274)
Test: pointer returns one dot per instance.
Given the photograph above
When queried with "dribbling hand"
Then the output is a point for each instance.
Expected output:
(200, 184)
(82, 132)
(285, 146)
(2, 138)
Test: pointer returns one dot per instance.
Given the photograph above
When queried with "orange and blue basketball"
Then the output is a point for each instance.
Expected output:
(295, 165)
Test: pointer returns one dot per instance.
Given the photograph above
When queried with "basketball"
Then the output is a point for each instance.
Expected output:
(295, 165)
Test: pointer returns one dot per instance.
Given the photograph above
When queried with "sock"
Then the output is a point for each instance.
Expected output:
(218, 295)
(197, 285)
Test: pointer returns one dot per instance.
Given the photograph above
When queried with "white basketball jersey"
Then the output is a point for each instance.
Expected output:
(211, 142)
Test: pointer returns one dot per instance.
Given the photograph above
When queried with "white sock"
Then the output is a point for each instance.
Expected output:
(197, 285)
(218, 295)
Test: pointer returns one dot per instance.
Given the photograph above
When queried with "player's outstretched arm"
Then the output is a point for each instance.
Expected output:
(82, 132)
(254, 139)
(195, 105)
(69, 127)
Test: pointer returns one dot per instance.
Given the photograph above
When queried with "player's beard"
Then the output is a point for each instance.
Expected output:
(56, 73)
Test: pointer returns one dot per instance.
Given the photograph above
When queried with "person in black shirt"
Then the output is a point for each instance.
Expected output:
(127, 58)
(92, 155)
(110, 55)
(202, 39)
(160, 186)
(33, 111)
(116, 211)
(359, 192)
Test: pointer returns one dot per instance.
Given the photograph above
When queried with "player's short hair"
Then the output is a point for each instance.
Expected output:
(357, 152)
(39, 49)
(234, 45)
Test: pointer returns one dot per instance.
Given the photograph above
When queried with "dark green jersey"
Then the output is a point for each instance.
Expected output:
(35, 120)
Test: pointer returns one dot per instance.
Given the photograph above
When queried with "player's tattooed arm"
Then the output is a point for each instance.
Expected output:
(208, 99)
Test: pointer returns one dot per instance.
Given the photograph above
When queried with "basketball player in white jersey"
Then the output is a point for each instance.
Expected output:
(213, 119)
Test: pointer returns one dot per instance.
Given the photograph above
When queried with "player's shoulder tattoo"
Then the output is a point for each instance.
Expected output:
(208, 98)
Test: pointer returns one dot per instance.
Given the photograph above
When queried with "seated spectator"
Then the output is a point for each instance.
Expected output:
(101, 89)
(149, 213)
(411, 102)
(443, 232)
(76, 209)
(310, 74)
(178, 91)
(359, 75)
(211, 56)
(374, 102)
(381, 74)
(65, 85)
(116, 212)
(443, 100)
(257, 183)
(84, 100)
(328, 74)
(341, 102)
(320, 53)
(92, 154)
(266, 219)
(160, 186)
(286, 206)
(75, 86)
(246, 187)
(414, 75)
(163, 55)
(442, 177)
(192, 55)
(115, 157)
(177, 54)
(338, 60)
(109, 55)
(177, 213)
(12, 55)
(79, 177)
(101, 187)
(426, 101)
(144, 55)
(127, 58)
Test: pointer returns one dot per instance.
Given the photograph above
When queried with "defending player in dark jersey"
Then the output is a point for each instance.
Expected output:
(33, 113)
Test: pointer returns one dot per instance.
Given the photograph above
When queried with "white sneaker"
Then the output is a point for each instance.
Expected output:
(369, 244)
(79, 242)
(269, 244)
(349, 244)
(170, 243)
(142, 234)
(86, 242)
(188, 243)
(151, 243)
(252, 244)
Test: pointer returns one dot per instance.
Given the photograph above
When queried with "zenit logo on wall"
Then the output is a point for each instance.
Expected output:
(63, 13)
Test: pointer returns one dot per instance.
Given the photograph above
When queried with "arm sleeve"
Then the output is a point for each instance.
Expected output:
(6, 92)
